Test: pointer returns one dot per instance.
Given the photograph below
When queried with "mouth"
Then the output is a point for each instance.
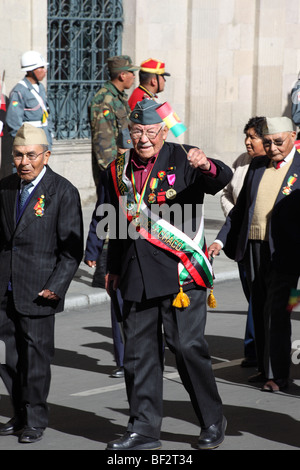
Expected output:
(145, 146)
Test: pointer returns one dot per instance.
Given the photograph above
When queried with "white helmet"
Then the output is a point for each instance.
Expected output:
(32, 60)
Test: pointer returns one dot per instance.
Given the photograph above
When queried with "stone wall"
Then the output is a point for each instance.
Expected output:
(229, 60)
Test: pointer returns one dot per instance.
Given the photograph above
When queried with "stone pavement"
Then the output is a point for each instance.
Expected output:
(82, 294)
(88, 407)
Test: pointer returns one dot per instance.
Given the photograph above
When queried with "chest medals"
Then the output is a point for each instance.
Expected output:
(157, 194)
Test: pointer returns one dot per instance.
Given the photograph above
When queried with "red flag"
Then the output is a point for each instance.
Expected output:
(3, 100)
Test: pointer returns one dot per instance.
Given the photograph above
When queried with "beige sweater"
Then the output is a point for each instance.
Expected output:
(268, 190)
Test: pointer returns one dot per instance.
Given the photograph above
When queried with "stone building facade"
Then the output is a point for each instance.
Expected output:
(229, 60)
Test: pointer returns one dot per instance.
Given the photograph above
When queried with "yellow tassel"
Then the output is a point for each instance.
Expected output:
(211, 301)
(181, 300)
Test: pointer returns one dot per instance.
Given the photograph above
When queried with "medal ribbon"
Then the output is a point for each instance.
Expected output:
(139, 198)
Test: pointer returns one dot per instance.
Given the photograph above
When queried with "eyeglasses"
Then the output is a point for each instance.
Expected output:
(30, 155)
(277, 143)
(149, 133)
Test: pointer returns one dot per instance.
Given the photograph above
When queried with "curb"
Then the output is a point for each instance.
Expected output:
(74, 301)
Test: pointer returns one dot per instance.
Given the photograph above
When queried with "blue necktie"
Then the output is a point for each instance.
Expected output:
(24, 194)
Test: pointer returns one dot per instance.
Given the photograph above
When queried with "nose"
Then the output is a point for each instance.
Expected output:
(144, 137)
(24, 157)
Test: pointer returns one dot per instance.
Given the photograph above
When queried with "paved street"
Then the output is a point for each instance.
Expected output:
(88, 407)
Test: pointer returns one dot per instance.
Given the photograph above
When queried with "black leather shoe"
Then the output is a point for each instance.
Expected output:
(213, 436)
(13, 426)
(134, 441)
(31, 434)
(118, 373)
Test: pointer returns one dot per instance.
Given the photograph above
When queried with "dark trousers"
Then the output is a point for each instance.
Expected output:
(29, 347)
(143, 360)
(116, 333)
(249, 341)
(270, 291)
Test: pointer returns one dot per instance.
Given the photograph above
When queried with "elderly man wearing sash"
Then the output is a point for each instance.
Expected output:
(163, 271)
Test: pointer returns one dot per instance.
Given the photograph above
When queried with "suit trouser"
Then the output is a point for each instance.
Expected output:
(143, 360)
(116, 333)
(270, 291)
(29, 344)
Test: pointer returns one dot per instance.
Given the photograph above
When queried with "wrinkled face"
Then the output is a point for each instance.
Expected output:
(148, 139)
(30, 160)
(278, 146)
(254, 143)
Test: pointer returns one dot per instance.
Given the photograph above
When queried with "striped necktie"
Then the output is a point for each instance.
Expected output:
(279, 164)
(24, 194)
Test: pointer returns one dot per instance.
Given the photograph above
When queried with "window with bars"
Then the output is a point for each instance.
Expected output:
(82, 34)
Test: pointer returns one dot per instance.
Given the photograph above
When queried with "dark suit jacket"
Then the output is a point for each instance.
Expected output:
(145, 269)
(284, 234)
(40, 252)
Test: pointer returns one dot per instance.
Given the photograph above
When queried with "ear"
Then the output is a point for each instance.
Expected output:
(153, 81)
(122, 76)
(46, 157)
(165, 132)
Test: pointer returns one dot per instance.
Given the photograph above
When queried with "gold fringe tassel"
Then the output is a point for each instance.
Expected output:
(211, 301)
(181, 300)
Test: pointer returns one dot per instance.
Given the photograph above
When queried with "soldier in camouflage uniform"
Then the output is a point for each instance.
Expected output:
(109, 112)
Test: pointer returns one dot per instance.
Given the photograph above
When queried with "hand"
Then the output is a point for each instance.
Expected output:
(115, 278)
(91, 264)
(214, 249)
(198, 159)
(48, 294)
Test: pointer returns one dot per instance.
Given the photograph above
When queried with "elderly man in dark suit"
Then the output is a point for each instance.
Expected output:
(41, 246)
(162, 270)
(263, 229)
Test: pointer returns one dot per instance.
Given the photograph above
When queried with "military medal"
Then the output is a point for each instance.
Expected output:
(161, 197)
(153, 186)
(130, 206)
(161, 174)
(171, 193)
(39, 207)
(151, 198)
(291, 181)
(136, 219)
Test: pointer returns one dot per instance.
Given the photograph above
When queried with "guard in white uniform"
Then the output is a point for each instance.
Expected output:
(28, 100)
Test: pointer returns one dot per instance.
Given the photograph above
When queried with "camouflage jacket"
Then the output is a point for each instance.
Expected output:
(109, 112)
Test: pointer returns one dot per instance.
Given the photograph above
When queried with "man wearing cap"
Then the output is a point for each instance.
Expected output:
(162, 271)
(28, 100)
(152, 81)
(41, 238)
(263, 231)
(109, 112)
